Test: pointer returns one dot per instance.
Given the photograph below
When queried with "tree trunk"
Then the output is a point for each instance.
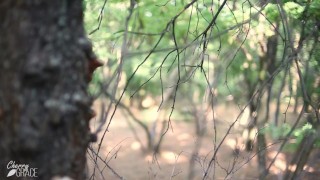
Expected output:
(44, 105)
(301, 155)
(261, 153)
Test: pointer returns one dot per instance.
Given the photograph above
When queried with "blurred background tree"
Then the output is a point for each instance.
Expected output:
(185, 59)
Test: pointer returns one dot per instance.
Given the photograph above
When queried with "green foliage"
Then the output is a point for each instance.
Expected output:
(280, 132)
(271, 12)
(299, 134)
(94, 87)
(238, 46)
(314, 10)
(294, 10)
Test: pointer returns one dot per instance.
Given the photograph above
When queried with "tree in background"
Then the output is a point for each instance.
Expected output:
(260, 54)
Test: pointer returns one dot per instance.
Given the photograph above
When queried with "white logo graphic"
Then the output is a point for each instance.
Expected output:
(21, 170)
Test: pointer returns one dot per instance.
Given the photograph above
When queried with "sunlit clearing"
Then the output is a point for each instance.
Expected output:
(148, 102)
(280, 163)
(148, 158)
(171, 157)
(229, 98)
(245, 65)
(231, 143)
(251, 135)
(184, 139)
(135, 146)
(184, 136)
(292, 168)
(309, 169)
(244, 119)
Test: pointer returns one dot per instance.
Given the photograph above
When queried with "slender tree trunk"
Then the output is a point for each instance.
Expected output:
(302, 155)
(44, 105)
(276, 116)
(261, 152)
(193, 158)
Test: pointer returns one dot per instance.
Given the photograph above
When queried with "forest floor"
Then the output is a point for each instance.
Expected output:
(125, 154)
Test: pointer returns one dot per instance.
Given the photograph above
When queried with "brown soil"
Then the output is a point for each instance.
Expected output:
(125, 156)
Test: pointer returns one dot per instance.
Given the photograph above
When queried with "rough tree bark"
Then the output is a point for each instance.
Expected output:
(44, 105)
